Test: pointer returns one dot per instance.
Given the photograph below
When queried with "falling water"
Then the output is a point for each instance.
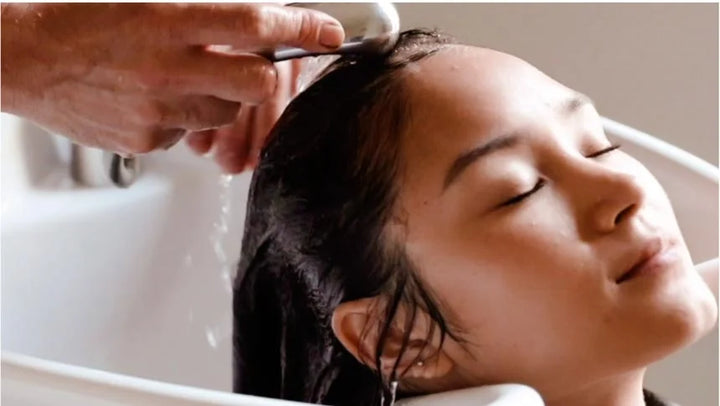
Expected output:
(220, 231)
(220, 331)
(215, 334)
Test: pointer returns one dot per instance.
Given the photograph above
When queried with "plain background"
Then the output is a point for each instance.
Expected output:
(651, 66)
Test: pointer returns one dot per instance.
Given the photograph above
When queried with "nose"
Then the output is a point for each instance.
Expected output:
(607, 197)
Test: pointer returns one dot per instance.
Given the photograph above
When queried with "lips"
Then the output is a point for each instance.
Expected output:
(648, 254)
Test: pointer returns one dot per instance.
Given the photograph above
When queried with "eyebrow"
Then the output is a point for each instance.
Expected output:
(567, 107)
(574, 103)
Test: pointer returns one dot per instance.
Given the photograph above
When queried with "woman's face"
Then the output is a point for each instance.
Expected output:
(525, 225)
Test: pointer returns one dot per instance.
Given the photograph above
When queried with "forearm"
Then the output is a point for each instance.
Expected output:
(19, 43)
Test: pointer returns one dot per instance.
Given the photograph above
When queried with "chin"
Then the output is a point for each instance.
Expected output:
(707, 312)
(687, 311)
(670, 314)
(702, 307)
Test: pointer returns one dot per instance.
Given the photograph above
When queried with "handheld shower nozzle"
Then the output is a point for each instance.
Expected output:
(369, 28)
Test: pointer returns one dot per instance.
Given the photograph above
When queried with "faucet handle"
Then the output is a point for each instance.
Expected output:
(123, 170)
(95, 167)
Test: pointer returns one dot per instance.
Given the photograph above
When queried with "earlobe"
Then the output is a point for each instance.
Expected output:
(435, 364)
(357, 327)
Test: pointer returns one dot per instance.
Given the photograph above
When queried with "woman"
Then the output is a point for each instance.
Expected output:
(448, 216)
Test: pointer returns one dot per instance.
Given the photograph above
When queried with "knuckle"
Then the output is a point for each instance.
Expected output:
(150, 82)
(306, 29)
(156, 74)
(148, 140)
(255, 21)
(190, 114)
(227, 113)
(217, 114)
(199, 114)
(195, 116)
(266, 80)
(150, 113)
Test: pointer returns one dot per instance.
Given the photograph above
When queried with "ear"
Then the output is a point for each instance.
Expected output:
(358, 324)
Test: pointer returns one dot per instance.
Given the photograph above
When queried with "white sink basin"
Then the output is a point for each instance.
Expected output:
(125, 280)
(129, 281)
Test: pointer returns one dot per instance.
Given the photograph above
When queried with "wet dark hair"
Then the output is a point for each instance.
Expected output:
(316, 234)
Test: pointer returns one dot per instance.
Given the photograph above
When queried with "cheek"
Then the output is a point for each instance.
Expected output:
(523, 273)
(518, 275)
(536, 241)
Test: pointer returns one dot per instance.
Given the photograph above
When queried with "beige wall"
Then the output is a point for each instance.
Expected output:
(651, 66)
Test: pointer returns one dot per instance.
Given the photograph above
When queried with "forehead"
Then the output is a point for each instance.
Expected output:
(460, 98)
(464, 86)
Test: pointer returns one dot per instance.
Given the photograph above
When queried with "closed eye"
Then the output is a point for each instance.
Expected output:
(603, 151)
(541, 182)
(517, 199)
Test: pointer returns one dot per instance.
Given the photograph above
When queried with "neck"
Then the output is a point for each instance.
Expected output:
(619, 390)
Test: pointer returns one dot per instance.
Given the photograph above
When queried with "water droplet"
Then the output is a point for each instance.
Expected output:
(227, 281)
(211, 339)
(220, 333)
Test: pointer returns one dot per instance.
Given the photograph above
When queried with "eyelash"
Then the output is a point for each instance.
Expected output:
(517, 199)
(612, 147)
(541, 182)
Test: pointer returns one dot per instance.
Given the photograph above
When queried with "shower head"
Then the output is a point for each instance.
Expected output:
(369, 28)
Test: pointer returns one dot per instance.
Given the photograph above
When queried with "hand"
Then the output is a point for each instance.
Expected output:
(237, 146)
(136, 77)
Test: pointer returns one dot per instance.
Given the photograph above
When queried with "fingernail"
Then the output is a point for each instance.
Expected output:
(331, 35)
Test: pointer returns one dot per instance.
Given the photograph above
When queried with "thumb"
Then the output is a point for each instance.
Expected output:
(251, 27)
(302, 28)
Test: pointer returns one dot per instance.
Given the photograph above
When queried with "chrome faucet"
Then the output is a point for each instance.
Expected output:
(96, 167)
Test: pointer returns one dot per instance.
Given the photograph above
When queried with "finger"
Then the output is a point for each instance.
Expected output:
(268, 112)
(150, 139)
(201, 141)
(239, 78)
(170, 136)
(197, 113)
(256, 26)
(232, 142)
